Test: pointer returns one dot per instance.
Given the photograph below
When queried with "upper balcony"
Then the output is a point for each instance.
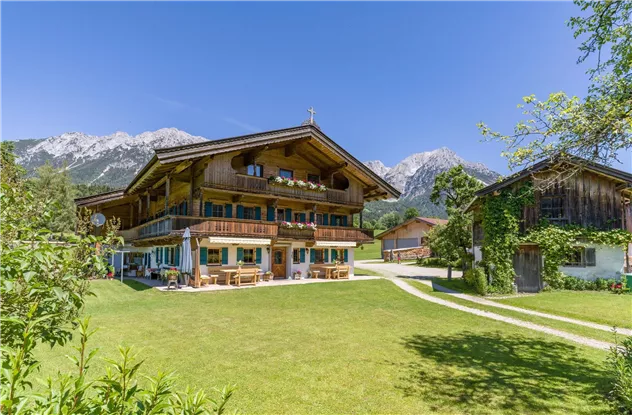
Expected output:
(204, 226)
(229, 180)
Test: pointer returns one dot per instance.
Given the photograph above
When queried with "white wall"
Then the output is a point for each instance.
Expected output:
(610, 263)
(232, 255)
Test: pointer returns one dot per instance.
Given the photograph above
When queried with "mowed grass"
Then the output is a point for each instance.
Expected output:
(348, 347)
(597, 306)
(369, 251)
(607, 336)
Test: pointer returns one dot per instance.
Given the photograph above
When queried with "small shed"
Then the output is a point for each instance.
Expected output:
(409, 234)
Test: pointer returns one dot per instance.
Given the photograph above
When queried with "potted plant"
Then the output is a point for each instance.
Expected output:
(172, 274)
(268, 276)
(297, 274)
(240, 263)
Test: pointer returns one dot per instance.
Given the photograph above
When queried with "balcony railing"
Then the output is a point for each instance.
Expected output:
(336, 233)
(230, 180)
(204, 226)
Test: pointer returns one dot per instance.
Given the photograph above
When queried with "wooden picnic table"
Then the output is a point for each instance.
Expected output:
(328, 270)
(229, 273)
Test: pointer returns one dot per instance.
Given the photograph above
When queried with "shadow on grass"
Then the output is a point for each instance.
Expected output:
(135, 285)
(509, 374)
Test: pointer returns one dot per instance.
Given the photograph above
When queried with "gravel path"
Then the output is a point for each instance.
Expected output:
(391, 271)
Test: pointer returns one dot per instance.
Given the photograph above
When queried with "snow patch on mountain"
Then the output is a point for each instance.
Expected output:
(111, 159)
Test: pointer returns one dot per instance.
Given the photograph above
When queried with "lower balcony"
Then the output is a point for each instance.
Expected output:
(204, 226)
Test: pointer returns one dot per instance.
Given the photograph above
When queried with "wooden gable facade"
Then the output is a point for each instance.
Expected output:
(223, 188)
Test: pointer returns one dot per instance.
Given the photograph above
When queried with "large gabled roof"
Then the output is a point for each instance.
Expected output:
(418, 219)
(166, 159)
(615, 174)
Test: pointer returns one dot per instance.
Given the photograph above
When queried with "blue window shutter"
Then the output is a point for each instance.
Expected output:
(240, 254)
(288, 215)
(302, 217)
(156, 254)
(312, 256)
(177, 260)
(302, 253)
(334, 255)
(311, 217)
(161, 254)
(325, 219)
(344, 220)
(257, 213)
(208, 209)
(203, 256)
(224, 256)
(326, 254)
(346, 255)
(270, 214)
(228, 210)
(186, 208)
(258, 256)
(240, 212)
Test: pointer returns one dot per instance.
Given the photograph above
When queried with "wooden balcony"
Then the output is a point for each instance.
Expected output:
(203, 227)
(299, 234)
(259, 185)
(337, 233)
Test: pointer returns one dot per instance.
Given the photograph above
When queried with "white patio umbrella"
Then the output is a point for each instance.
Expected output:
(186, 262)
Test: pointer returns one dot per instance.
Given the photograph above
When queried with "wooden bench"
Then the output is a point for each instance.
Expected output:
(221, 275)
(247, 276)
(341, 272)
(317, 270)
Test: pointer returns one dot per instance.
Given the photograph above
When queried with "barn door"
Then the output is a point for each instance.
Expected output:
(527, 264)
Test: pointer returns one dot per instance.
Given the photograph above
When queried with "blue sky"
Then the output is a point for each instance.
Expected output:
(385, 79)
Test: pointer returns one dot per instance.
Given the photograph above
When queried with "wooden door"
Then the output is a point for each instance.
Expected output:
(527, 264)
(278, 262)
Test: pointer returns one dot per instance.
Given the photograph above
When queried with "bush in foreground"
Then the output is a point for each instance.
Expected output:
(476, 279)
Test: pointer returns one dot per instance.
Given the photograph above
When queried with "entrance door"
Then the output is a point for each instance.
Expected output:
(278, 262)
(527, 264)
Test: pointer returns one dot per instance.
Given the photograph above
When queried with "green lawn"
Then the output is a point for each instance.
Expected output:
(555, 324)
(349, 347)
(369, 251)
(597, 306)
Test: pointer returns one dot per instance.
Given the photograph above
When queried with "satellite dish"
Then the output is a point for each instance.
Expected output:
(97, 219)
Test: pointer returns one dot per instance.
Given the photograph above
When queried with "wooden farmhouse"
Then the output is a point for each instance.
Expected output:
(408, 238)
(278, 200)
(592, 195)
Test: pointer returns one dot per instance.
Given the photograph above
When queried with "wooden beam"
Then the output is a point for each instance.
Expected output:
(160, 182)
(290, 149)
(237, 198)
(181, 167)
(335, 169)
(369, 190)
(190, 204)
(167, 190)
(200, 165)
(251, 156)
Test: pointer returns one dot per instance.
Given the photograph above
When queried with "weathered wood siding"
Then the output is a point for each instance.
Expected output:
(589, 200)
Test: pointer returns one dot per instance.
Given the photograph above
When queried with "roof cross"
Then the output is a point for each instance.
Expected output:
(311, 114)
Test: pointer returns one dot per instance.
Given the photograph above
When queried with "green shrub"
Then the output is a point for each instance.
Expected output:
(601, 284)
(476, 279)
(432, 262)
(619, 369)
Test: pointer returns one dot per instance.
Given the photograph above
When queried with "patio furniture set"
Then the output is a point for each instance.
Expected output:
(252, 276)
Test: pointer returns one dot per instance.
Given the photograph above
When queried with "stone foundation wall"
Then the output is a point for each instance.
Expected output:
(408, 253)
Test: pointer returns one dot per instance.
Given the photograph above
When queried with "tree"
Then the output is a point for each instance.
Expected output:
(55, 188)
(597, 127)
(411, 213)
(455, 188)
(390, 220)
(45, 281)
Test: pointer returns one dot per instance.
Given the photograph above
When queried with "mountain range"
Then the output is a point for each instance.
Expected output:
(414, 177)
(115, 159)
(112, 160)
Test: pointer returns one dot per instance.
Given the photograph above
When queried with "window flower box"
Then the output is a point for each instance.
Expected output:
(299, 225)
(301, 184)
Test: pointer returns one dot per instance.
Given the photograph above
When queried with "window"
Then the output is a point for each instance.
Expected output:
(288, 174)
(249, 256)
(552, 208)
(217, 211)
(314, 178)
(249, 213)
(336, 220)
(319, 219)
(280, 215)
(340, 255)
(296, 256)
(214, 257)
(297, 217)
(581, 257)
(172, 252)
(255, 170)
(576, 258)
(319, 256)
